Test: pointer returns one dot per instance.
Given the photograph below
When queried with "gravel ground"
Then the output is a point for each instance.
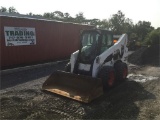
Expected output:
(22, 98)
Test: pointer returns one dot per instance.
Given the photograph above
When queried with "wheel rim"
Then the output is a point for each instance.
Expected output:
(111, 78)
(125, 73)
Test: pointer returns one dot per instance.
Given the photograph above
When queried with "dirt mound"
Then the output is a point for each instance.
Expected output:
(146, 55)
(136, 57)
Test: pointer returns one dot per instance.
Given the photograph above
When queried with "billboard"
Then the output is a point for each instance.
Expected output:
(17, 36)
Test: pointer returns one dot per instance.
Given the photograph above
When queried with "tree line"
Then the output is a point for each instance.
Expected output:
(142, 32)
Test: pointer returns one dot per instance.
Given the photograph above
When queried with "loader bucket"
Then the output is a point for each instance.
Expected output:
(78, 87)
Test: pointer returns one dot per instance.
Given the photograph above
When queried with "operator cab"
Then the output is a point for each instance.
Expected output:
(93, 43)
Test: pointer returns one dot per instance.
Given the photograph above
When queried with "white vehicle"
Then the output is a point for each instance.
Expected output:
(97, 66)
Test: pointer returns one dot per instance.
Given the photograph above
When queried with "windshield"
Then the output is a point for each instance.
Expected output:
(89, 39)
(89, 46)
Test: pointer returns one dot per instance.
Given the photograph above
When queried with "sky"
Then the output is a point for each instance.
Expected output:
(147, 10)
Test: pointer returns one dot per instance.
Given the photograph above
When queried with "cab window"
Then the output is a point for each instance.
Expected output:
(106, 42)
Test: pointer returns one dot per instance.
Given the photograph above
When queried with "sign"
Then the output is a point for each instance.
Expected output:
(16, 36)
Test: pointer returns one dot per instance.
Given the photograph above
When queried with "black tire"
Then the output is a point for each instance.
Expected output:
(68, 67)
(107, 74)
(121, 71)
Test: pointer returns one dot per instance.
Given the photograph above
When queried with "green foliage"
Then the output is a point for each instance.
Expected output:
(133, 36)
(80, 18)
(105, 24)
(9, 10)
(142, 28)
(117, 22)
(153, 38)
(3, 9)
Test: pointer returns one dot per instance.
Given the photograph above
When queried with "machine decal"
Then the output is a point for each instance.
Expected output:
(116, 54)
(122, 51)
(109, 58)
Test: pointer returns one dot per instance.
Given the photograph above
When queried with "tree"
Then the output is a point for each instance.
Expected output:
(133, 36)
(128, 26)
(66, 15)
(12, 10)
(58, 14)
(30, 14)
(117, 22)
(95, 22)
(79, 18)
(68, 18)
(142, 28)
(3, 9)
(104, 24)
(153, 38)
(47, 15)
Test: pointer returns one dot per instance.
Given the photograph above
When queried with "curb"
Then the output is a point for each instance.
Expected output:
(8, 71)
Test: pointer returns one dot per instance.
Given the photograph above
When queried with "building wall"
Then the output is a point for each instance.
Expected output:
(54, 40)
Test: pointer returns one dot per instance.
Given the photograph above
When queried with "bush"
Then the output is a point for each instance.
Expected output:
(153, 38)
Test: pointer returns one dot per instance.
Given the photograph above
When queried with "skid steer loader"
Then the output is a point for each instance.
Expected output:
(93, 69)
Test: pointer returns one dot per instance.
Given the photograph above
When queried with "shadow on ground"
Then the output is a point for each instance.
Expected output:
(119, 103)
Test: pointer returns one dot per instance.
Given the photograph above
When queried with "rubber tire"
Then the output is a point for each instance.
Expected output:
(105, 74)
(121, 71)
(68, 67)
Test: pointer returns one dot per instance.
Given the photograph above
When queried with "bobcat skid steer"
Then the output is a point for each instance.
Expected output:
(96, 67)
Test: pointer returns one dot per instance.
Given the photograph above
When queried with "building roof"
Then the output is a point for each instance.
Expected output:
(17, 15)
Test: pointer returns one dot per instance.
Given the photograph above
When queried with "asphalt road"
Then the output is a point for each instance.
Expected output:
(18, 76)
